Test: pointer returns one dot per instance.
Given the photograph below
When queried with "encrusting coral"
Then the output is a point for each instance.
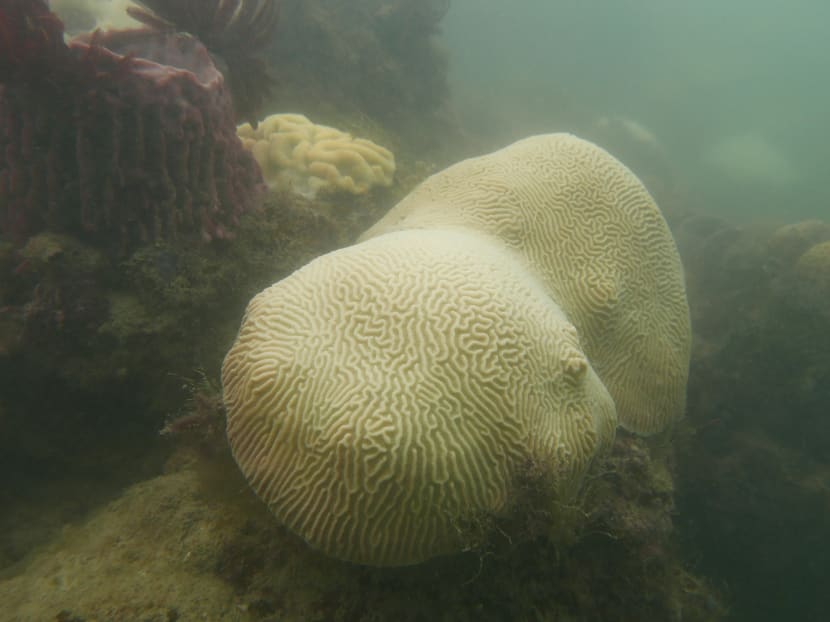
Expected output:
(386, 399)
(299, 156)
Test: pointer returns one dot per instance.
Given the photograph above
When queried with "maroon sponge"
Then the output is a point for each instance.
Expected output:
(125, 135)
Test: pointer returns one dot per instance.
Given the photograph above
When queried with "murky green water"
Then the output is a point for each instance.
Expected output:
(734, 93)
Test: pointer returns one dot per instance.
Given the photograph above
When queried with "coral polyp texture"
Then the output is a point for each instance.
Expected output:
(391, 400)
(384, 399)
(586, 225)
(126, 134)
(299, 156)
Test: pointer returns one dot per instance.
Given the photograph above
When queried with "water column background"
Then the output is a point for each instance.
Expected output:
(735, 93)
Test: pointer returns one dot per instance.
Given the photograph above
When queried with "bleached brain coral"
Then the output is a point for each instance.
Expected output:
(587, 226)
(299, 156)
(384, 399)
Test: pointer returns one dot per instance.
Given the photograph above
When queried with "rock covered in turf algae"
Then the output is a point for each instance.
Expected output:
(385, 399)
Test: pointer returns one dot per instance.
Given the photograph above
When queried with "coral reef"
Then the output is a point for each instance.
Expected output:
(384, 399)
(296, 155)
(97, 350)
(125, 136)
(383, 449)
(753, 476)
(100, 329)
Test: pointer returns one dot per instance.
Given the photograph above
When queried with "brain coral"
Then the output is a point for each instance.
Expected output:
(384, 398)
(298, 156)
(587, 226)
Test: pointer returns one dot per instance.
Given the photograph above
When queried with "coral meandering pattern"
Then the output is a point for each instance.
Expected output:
(387, 393)
(385, 399)
(586, 225)
(299, 156)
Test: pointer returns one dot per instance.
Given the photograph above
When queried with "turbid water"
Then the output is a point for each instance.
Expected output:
(435, 410)
(731, 94)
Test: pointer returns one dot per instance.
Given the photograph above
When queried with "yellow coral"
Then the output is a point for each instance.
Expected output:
(299, 156)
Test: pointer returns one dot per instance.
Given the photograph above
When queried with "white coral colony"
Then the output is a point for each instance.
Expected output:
(384, 399)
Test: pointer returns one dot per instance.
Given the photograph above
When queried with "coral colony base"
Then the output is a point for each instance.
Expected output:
(491, 433)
